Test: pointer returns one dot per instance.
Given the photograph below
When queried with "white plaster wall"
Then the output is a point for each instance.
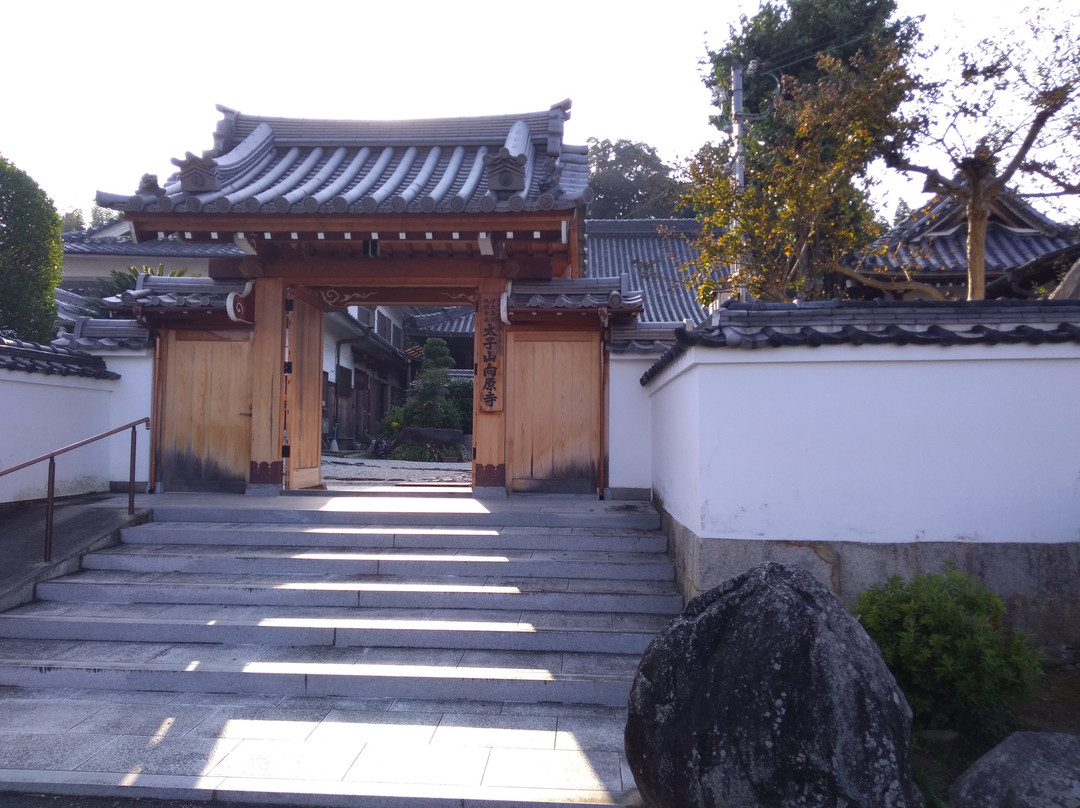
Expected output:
(676, 423)
(129, 401)
(629, 422)
(872, 443)
(44, 413)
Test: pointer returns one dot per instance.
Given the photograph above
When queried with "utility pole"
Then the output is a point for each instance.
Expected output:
(737, 122)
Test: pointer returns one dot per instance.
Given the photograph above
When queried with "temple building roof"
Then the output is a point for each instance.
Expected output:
(288, 165)
(932, 243)
(649, 252)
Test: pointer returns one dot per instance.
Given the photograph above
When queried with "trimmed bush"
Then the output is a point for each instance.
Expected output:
(942, 638)
(428, 452)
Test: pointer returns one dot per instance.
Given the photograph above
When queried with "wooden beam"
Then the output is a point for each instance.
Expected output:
(149, 224)
(417, 270)
(340, 297)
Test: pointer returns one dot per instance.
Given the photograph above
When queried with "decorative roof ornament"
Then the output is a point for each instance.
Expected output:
(506, 168)
(196, 174)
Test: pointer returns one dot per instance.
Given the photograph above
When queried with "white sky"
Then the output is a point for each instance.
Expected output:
(95, 95)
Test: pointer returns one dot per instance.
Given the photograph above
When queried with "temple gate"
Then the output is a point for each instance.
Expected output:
(484, 211)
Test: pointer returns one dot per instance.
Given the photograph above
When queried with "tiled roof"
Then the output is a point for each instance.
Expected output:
(453, 321)
(775, 325)
(91, 334)
(624, 254)
(70, 306)
(30, 357)
(934, 240)
(82, 243)
(642, 338)
(282, 165)
(575, 293)
(649, 252)
(161, 293)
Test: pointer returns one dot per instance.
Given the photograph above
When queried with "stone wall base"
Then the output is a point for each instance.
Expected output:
(1037, 582)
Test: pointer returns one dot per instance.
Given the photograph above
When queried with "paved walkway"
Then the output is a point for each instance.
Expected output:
(311, 751)
(292, 750)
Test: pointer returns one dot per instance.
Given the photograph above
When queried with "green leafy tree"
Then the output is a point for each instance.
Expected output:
(784, 39)
(436, 354)
(31, 257)
(72, 220)
(830, 78)
(100, 216)
(787, 233)
(1009, 124)
(631, 182)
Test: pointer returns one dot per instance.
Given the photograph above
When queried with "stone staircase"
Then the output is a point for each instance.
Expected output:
(524, 604)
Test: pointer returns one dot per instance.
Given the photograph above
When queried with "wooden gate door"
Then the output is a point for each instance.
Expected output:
(553, 411)
(303, 396)
(205, 410)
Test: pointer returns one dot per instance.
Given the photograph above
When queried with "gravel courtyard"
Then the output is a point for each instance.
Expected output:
(362, 469)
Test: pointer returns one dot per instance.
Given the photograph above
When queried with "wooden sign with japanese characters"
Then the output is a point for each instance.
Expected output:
(490, 371)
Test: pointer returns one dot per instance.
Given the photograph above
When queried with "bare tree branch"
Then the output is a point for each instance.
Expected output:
(1041, 119)
(891, 286)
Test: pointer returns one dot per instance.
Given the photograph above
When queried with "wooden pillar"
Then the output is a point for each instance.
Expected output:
(489, 391)
(268, 357)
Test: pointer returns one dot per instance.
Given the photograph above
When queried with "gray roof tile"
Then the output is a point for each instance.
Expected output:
(575, 293)
(456, 320)
(649, 252)
(30, 357)
(934, 240)
(81, 244)
(95, 334)
(836, 322)
(281, 165)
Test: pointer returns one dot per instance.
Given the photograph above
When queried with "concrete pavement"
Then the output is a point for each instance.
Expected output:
(298, 750)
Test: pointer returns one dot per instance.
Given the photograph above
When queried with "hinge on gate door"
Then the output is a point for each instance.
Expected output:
(288, 368)
(285, 450)
(288, 304)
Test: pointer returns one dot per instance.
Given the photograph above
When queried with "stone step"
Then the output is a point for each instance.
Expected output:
(363, 536)
(475, 675)
(327, 627)
(398, 511)
(534, 594)
(301, 560)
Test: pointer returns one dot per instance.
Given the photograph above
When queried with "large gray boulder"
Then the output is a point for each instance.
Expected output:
(1026, 770)
(767, 692)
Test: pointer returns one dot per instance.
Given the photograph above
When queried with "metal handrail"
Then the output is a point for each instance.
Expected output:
(51, 457)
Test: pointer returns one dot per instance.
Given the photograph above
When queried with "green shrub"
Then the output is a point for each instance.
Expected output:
(460, 393)
(417, 452)
(428, 452)
(392, 423)
(943, 640)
